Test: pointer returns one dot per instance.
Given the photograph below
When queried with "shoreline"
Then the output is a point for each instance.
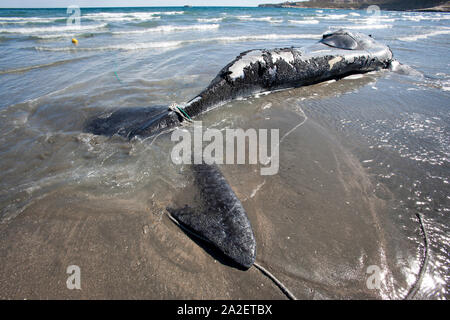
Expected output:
(444, 7)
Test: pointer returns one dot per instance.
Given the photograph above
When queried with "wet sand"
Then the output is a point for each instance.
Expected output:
(318, 226)
(124, 252)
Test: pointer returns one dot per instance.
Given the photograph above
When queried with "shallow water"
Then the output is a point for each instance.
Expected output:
(372, 153)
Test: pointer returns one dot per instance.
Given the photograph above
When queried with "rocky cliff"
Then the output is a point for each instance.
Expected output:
(418, 5)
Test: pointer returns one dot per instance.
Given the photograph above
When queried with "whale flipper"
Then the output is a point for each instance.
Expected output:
(222, 221)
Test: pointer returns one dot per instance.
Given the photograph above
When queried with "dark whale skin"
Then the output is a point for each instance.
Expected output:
(337, 55)
(223, 220)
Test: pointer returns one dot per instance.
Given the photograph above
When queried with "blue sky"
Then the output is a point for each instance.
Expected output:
(130, 3)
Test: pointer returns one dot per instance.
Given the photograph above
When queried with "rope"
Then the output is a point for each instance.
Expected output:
(264, 271)
(294, 128)
(115, 72)
(275, 280)
(180, 111)
(412, 293)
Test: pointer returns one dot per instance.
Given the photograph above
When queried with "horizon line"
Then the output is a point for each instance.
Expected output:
(63, 7)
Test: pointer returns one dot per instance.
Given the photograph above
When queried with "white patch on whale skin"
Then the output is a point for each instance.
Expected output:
(321, 51)
(273, 71)
(283, 55)
(354, 77)
(191, 102)
(237, 69)
(333, 61)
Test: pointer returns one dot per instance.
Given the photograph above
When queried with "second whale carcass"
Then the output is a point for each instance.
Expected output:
(224, 223)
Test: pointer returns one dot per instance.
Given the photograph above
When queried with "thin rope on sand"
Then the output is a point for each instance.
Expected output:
(280, 285)
(294, 128)
(412, 293)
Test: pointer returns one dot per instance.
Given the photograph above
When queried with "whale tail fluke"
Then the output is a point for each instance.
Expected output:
(131, 122)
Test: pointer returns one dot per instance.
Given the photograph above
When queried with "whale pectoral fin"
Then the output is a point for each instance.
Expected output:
(130, 122)
(220, 219)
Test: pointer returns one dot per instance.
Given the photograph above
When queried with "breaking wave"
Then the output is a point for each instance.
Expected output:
(262, 19)
(366, 26)
(210, 20)
(52, 29)
(174, 44)
(425, 35)
(312, 21)
(170, 28)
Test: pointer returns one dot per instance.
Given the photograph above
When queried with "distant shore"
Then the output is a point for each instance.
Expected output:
(432, 6)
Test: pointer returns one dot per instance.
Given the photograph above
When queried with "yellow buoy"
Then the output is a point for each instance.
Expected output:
(74, 41)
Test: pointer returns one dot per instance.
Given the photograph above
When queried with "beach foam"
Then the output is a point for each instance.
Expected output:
(174, 44)
(124, 47)
(265, 37)
(171, 28)
(52, 29)
(332, 16)
(424, 36)
(210, 20)
(261, 19)
(6, 20)
(311, 21)
(139, 15)
(365, 26)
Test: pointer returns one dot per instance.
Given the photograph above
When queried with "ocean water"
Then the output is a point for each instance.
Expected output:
(373, 152)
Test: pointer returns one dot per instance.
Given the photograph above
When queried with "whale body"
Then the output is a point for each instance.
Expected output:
(223, 221)
(337, 55)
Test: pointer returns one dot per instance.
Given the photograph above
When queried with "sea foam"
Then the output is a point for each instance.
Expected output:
(424, 36)
(171, 28)
(52, 29)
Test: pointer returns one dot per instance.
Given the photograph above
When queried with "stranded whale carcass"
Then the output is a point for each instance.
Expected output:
(336, 55)
(224, 221)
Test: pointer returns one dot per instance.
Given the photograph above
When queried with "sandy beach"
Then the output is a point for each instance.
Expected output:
(364, 155)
